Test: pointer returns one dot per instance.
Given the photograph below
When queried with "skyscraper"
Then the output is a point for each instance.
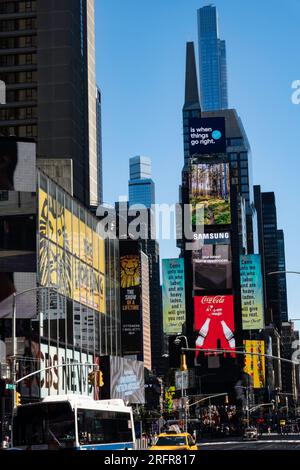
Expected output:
(282, 277)
(274, 259)
(142, 191)
(212, 61)
(99, 145)
(48, 66)
(141, 186)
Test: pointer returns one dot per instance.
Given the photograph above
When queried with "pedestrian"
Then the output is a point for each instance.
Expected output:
(5, 442)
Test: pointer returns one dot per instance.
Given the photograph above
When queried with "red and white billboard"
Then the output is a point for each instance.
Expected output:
(214, 322)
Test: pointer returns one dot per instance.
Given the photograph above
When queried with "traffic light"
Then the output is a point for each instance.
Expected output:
(226, 399)
(91, 378)
(18, 399)
(183, 365)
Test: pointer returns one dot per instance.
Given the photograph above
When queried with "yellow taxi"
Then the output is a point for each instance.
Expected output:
(174, 441)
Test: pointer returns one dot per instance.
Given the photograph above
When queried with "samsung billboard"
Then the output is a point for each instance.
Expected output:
(209, 187)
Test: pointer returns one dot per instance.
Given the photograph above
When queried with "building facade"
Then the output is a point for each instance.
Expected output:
(70, 313)
(212, 61)
(48, 65)
(141, 186)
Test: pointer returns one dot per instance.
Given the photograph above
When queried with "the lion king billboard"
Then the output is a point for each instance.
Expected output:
(130, 283)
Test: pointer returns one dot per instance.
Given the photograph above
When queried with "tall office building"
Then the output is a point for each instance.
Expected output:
(141, 186)
(290, 372)
(142, 191)
(47, 62)
(212, 61)
(282, 277)
(191, 107)
(99, 145)
(273, 258)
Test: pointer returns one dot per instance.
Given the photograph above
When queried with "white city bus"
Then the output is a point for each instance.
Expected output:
(73, 422)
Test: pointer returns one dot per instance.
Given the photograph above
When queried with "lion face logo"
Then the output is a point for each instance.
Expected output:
(130, 272)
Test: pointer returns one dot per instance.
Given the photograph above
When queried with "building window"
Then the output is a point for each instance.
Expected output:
(3, 195)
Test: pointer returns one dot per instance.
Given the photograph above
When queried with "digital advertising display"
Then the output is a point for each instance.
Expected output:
(214, 322)
(210, 188)
(17, 165)
(122, 379)
(173, 290)
(255, 365)
(17, 232)
(251, 292)
(207, 135)
(15, 282)
(131, 303)
(71, 253)
(212, 267)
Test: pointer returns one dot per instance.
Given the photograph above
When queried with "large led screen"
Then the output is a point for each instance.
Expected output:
(251, 292)
(255, 365)
(131, 303)
(210, 188)
(212, 267)
(173, 290)
(207, 135)
(17, 231)
(17, 165)
(214, 322)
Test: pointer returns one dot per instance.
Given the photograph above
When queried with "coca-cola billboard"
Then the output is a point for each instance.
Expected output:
(214, 322)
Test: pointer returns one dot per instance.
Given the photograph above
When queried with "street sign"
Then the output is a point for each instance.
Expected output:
(9, 387)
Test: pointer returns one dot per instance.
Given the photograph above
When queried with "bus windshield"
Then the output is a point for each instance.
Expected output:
(103, 427)
(50, 424)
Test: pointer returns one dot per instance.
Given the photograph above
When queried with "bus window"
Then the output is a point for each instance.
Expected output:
(103, 427)
(44, 424)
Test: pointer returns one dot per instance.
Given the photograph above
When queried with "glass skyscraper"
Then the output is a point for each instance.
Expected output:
(212, 61)
(141, 186)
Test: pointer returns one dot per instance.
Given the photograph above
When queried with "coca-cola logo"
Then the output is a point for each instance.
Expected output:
(215, 299)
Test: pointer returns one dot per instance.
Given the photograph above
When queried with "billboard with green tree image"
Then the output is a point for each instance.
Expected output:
(210, 188)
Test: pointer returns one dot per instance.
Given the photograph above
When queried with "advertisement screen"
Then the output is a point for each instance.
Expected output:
(212, 267)
(214, 322)
(207, 135)
(26, 304)
(255, 365)
(173, 290)
(127, 380)
(71, 254)
(210, 188)
(18, 165)
(131, 304)
(251, 292)
(17, 231)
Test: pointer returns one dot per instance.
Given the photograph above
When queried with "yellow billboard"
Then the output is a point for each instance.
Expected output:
(255, 365)
(71, 254)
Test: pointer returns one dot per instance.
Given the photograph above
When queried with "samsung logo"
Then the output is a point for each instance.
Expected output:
(212, 236)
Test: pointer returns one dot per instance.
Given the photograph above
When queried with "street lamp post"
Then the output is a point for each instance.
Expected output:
(183, 368)
(14, 335)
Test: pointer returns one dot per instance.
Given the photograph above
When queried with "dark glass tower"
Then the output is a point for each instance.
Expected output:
(282, 277)
(48, 65)
(212, 61)
(274, 260)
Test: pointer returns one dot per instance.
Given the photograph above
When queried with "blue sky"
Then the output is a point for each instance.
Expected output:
(140, 55)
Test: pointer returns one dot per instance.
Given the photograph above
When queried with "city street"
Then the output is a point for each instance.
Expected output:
(273, 442)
